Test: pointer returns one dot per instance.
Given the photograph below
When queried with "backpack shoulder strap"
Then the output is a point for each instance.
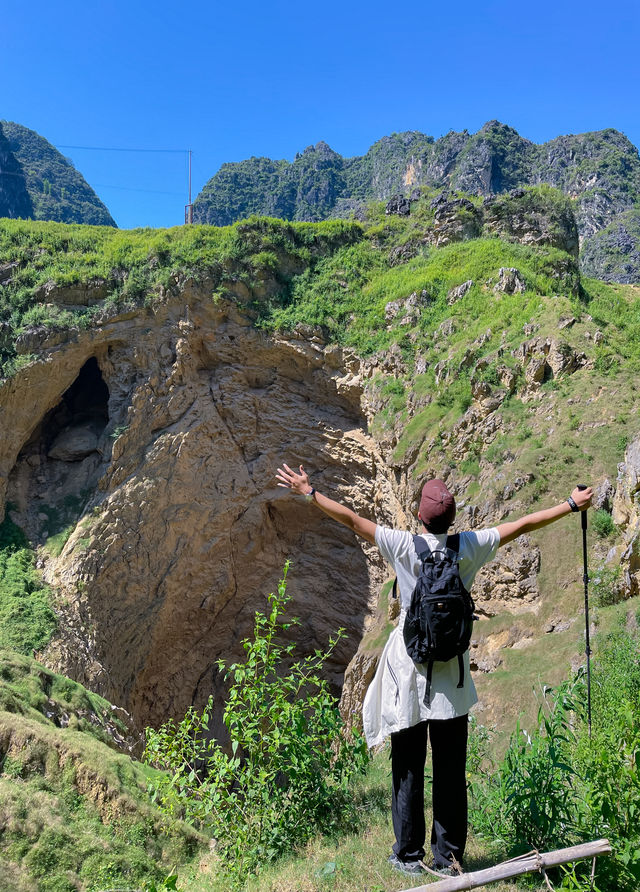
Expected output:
(453, 542)
(420, 546)
(422, 549)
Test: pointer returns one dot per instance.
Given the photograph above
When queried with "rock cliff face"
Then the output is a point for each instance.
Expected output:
(626, 515)
(153, 439)
(163, 431)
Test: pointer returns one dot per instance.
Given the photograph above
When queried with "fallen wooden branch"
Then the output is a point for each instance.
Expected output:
(524, 864)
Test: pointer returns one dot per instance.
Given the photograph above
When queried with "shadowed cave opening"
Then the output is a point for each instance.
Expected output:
(58, 467)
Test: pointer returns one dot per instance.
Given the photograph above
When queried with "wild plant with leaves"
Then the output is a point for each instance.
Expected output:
(286, 772)
(559, 785)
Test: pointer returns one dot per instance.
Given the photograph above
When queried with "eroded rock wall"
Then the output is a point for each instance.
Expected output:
(182, 531)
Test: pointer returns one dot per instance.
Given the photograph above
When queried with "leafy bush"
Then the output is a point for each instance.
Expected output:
(26, 618)
(602, 523)
(561, 785)
(606, 587)
(288, 770)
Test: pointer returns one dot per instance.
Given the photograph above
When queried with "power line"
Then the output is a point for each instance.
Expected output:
(9, 173)
(188, 152)
(114, 149)
(135, 189)
(188, 208)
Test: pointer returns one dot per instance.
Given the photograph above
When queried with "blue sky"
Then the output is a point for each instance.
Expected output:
(239, 79)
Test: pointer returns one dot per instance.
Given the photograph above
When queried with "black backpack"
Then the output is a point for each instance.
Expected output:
(440, 618)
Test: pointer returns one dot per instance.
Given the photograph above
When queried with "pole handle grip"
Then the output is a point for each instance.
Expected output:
(583, 514)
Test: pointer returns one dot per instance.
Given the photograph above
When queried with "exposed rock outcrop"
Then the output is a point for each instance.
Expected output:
(626, 514)
(613, 254)
(525, 217)
(169, 449)
(398, 205)
(455, 220)
(510, 281)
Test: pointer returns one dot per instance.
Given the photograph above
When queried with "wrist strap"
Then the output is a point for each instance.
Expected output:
(572, 504)
(309, 495)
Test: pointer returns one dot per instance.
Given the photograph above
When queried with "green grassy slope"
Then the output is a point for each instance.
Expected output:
(74, 811)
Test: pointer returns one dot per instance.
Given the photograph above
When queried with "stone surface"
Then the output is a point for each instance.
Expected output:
(184, 531)
(459, 291)
(603, 496)
(403, 253)
(455, 220)
(626, 514)
(408, 309)
(75, 443)
(525, 217)
(510, 281)
(398, 205)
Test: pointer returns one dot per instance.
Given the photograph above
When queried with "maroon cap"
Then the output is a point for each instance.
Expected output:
(437, 507)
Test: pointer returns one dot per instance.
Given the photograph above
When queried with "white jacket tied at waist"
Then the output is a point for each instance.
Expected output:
(395, 697)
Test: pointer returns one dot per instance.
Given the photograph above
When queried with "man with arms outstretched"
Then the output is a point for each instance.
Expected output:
(398, 702)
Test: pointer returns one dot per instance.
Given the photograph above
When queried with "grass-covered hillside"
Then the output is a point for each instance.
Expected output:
(485, 356)
(74, 810)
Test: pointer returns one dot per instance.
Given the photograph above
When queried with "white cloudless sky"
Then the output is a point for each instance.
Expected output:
(232, 80)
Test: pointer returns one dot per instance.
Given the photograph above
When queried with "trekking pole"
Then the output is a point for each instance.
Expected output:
(585, 578)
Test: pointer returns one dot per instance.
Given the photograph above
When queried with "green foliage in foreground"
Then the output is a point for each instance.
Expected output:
(26, 618)
(287, 774)
(557, 786)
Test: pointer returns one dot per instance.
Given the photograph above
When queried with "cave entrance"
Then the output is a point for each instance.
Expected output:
(58, 468)
(88, 397)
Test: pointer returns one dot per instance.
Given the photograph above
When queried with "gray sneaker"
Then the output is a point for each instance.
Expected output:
(443, 870)
(413, 868)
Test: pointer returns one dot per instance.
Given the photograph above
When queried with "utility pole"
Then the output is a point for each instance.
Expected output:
(188, 208)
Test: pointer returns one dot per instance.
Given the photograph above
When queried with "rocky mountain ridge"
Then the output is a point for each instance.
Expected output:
(599, 171)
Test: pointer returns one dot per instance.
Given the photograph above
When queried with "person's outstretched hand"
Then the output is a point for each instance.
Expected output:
(298, 483)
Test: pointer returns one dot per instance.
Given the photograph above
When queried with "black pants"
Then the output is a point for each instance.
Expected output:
(448, 755)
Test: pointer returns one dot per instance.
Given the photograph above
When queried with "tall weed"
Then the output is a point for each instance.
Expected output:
(286, 775)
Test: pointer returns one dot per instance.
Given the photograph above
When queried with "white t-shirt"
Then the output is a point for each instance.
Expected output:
(395, 697)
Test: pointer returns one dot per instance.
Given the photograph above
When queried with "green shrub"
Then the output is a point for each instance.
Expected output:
(606, 588)
(26, 618)
(288, 770)
(602, 523)
(561, 784)
(470, 466)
